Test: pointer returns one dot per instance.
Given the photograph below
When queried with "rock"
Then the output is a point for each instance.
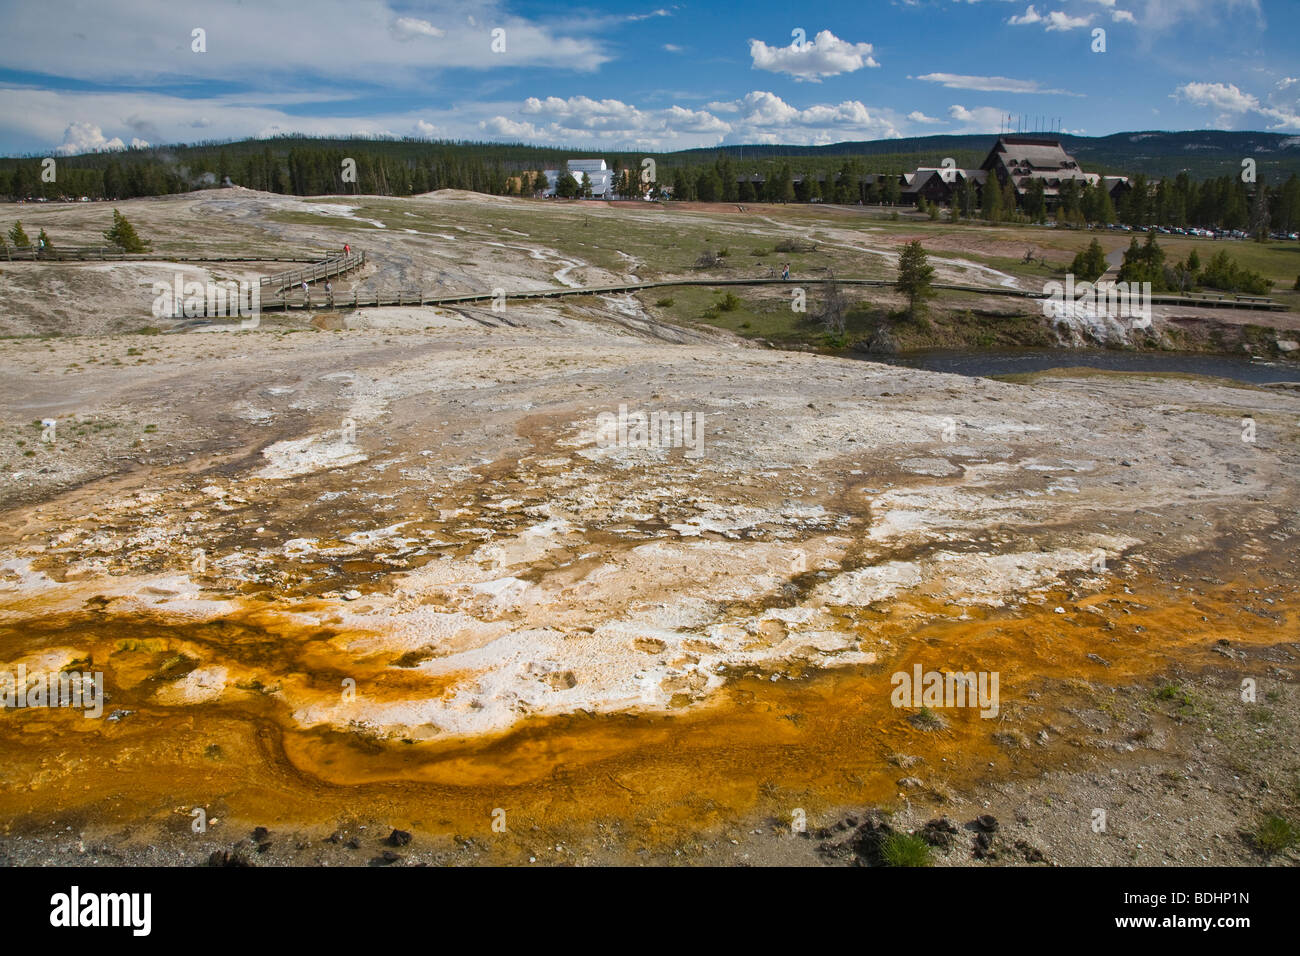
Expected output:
(866, 842)
(987, 822)
(386, 858)
(351, 595)
(939, 833)
(354, 843)
(910, 783)
(1287, 345)
(1031, 853)
(261, 835)
(238, 856)
(399, 838)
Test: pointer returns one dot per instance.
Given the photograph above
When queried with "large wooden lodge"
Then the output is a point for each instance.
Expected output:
(1019, 160)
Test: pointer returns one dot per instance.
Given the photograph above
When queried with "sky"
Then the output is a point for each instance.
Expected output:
(83, 75)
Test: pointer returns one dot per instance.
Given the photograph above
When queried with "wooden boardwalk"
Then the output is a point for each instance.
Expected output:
(106, 254)
(358, 299)
(277, 292)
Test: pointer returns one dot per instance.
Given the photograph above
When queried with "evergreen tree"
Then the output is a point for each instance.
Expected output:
(46, 245)
(915, 275)
(1090, 264)
(123, 235)
(540, 183)
(566, 187)
(18, 237)
(992, 200)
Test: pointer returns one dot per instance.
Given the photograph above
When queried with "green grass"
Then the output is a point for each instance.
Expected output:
(1274, 834)
(904, 849)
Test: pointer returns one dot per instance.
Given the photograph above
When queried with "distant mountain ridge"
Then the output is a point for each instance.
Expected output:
(1157, 153)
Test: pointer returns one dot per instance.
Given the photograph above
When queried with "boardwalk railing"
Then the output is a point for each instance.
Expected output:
(282, 282)
(111, 254)
(358, 298)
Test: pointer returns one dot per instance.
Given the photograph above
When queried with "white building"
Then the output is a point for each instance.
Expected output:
(600, 177)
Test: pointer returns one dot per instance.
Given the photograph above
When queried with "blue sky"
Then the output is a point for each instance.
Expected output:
(77, 75)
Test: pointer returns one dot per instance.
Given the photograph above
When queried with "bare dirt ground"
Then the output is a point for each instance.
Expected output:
(397, 576)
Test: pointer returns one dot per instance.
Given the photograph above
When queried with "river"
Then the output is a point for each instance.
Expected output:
(1010, 361)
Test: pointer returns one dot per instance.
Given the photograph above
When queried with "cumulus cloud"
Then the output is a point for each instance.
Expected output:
(824, 55)
(916, 116)
(1232, 104)
(1221, 96)
(757, 117)
(86, 138)
(1055, 22)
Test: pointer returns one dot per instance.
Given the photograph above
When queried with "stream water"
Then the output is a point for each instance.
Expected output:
(1011, 361)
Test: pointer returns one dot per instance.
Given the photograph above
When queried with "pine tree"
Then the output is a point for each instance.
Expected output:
(18, 237)
(1090, 264)
(914, 276)
(123, 235)
(46, 246)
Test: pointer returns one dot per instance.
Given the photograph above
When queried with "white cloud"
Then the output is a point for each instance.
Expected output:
(981, 119)
(757, 117)
(989, 84)
(1056, 22)
(1123, 16)
(86, 138)
(824, 55)
(1232, 104)
(408, 28)
(1030, 16)
(916, 116)
(1221, 96)
(136, 42)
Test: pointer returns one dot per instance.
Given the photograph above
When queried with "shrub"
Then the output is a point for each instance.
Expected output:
(904, 849)
(665, 303)
(793, 245)
(1225, 274)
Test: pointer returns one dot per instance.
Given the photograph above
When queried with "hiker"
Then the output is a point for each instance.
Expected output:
(306, 292)
(785, 271)
(347, 249)
(329, 292)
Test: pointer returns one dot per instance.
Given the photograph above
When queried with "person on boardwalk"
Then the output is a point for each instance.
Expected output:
(785, 271)
(347, 249)
(329, 293)
(306, 292)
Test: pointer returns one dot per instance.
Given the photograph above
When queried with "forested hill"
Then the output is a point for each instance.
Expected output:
(313, 166)
(1202, 154)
